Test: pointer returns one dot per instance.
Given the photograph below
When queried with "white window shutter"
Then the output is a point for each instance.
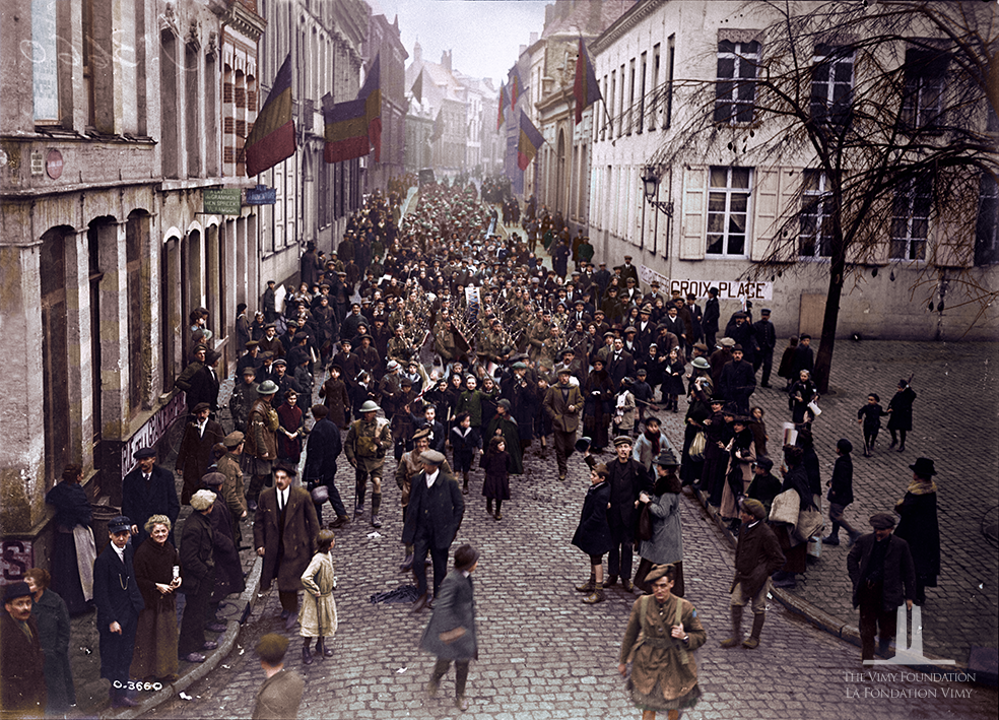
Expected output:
(768, 209)
(693, 242)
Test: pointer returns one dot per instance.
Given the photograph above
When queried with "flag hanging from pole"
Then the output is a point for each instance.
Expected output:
(417, 88)
(346, 129)
(585, 89)
(502, 107)
(530, 140)
(514, 89)
(371, 93)
(272, 138)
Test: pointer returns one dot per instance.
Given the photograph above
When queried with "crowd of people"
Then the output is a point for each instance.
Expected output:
(433, 330)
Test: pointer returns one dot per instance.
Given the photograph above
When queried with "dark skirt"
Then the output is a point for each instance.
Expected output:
(156, 641)
(796, 557)
(496, 487)
(66, 574)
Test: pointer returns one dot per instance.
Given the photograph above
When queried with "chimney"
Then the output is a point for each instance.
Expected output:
(417, 53)
(534, 38)
(446, 60)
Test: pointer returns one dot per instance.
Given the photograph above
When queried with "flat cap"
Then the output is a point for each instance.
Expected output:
(202, 500)
(146, 452)
(623, 440)
(433, 457)
(213, 479)
(119, 523)
(754, 508)
(882, 521)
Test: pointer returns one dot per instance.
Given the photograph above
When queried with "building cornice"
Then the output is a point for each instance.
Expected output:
(623, 24)
(243, 21)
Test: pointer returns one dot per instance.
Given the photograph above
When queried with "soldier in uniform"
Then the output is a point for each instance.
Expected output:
(367, 442)
(261, 440)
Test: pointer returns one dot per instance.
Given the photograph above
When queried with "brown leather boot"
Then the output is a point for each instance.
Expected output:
(753, 641)
(736, 637)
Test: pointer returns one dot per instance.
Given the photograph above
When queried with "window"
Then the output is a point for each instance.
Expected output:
(603, 118)
(668, 114)
(832, 84)
(736, 89)
(631, 96)
(987, 228)
(44, 71)
(641, 94)
(815, 235)
(922, 98)
(620, 104)
(654, 104)
(613, 91)
(910, 224)
(728, 210)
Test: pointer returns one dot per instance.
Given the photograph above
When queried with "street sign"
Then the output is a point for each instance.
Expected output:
(261, 195)
(221, 201)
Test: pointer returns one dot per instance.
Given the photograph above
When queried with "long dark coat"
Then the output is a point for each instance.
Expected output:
(324, 447)
(454, 607)
(593, 535)
(435, 513)
(294, 546)
(900, 410)
(195, 455)
(139, 502)
(899, 572)
(918, 527)
(197, 551)
(72, 508)
(334, 394)
(156, 636)
(22, 669)
(52, 616)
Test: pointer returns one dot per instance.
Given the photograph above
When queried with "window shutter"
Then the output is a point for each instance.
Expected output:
(953, 242)
(692, 234)
(768, 210)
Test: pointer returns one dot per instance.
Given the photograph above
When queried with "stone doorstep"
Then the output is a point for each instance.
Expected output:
(812, 613)
(200, 670)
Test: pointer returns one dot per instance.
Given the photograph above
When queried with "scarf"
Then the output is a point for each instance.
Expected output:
(654, 440)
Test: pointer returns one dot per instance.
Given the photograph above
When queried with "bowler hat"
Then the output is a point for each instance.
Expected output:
(583, 444)
(923, 467)
(15, 590)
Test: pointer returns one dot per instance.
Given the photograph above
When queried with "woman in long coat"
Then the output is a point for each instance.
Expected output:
(450, 634)
(740, 470)
(900, 413)
(156, 637)
(663, 669)
(334, 394)
(597, 394)
(74, 552)
(289, 435)
(593, 535)
(317, 616)
(52, 617)
(918, 525)
(666, 544)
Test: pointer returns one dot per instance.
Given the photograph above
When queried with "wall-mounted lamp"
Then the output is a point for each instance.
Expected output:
(650, 178)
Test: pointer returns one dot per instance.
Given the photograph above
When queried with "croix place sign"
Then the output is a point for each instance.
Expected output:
(727, 289)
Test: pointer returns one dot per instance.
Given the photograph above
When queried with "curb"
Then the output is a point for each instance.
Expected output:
(816, 615)
(226, 643)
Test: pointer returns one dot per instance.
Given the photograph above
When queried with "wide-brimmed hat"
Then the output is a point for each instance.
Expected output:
(923, 467)
(369, 406)
(666, 459)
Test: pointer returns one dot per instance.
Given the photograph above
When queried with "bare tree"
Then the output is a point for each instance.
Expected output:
(891, 107)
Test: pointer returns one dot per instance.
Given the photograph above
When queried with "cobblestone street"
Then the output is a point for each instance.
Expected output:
(543, 654)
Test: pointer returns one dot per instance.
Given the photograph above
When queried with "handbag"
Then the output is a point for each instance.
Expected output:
(814, 407)
(809, 522)
(644, 523)
(785, 507)
(697, 445)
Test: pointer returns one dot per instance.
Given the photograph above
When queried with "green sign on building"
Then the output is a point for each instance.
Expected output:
(221, 201)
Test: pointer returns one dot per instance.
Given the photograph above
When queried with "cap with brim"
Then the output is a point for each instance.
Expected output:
(432, 457)
(583, 444)
(727, 342)
(267, 387)
(15, 590)
(392, 366)
(213, 479)
(202, 500)
(200, 407)
(923, 467)
(280, 362)
(717, 400)
(737, 348)
(233, 439)
(623, 440)
(610, 333)
(252, 344)
(320, 411)
(630, 329)
(119, 523)
(765, 463)
(882, 521)
(249, 370)
(518, 366)
(754, 508)
(505, 404)
(146, 452)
